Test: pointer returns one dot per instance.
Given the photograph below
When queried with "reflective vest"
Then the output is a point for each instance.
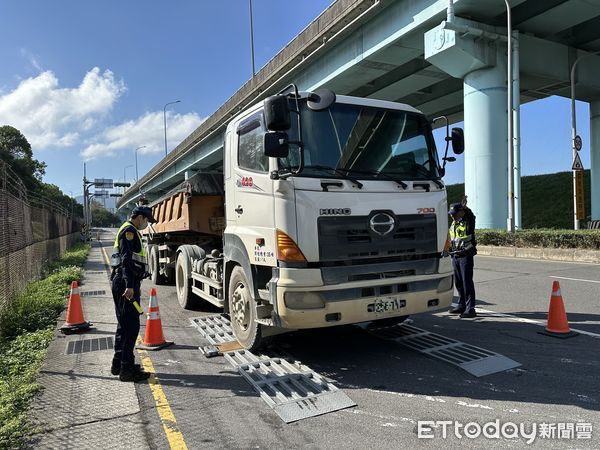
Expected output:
(139, 258)
(459, 237)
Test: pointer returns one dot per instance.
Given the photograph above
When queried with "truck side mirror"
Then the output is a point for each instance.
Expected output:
(277, 113)
(458, 141)
(276, 144)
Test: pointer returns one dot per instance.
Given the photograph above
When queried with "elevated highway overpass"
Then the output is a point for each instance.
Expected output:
(410, 51)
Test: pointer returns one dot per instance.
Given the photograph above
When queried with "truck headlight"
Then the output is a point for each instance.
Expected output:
(445, 284)
(303, 300)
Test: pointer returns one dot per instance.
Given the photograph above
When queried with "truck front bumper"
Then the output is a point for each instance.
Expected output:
(304, 302)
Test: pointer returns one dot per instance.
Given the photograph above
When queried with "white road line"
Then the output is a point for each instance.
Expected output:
(575, 279)
(514, 258)
(534, 322)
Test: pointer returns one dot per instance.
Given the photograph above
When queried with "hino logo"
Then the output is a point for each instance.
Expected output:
(335, 212)
(382, 223)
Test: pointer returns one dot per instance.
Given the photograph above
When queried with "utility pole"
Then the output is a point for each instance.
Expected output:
(510, 225)
(165, 121)
(252, 40)
(85, 203)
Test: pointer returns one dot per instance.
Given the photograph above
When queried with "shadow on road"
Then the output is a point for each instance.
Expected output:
(553, 371)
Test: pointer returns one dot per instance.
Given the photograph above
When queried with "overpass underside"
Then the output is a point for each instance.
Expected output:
(406, 51)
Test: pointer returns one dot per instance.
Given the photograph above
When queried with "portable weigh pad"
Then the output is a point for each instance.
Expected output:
(475, 360)
(292, 390)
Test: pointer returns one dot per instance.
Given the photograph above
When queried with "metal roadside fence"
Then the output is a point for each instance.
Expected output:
(33, 231)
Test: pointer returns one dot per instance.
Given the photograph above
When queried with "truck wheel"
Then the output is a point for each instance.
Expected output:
(242, 310)
(157, 278)
(183, 281)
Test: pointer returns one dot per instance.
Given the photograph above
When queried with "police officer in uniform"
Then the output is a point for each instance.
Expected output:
(129, 269)
(464, 248)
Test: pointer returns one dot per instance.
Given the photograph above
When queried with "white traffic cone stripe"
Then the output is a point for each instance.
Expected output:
(153, 302)
(74, 290)
(556, 293)
(153, 315)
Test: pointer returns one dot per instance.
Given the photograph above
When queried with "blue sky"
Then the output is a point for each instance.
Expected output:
(88, 80)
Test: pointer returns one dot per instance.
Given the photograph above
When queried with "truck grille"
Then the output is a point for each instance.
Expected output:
(349, 238)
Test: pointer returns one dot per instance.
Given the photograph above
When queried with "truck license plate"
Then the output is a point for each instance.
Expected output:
(385, 305)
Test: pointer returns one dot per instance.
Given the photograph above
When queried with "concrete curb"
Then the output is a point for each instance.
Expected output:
(551, 254)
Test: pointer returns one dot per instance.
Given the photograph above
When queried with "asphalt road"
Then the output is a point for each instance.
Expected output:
(395, 387)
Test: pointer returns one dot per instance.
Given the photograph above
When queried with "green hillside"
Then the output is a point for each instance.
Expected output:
(547, 200)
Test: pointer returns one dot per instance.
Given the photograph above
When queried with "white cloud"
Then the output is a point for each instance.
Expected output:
(147, 130)
(51, 116)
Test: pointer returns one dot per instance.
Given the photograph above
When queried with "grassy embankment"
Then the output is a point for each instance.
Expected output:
(26, 329)
(547, 213)
(546, 200)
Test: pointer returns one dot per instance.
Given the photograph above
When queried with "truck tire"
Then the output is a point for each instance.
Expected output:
(183, 280)
(242, 310)
(157, 277)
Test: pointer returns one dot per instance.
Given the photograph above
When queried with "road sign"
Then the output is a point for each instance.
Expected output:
(101, 193)
(580, 195)
(577, 142)
(577, 164)
(103, 183)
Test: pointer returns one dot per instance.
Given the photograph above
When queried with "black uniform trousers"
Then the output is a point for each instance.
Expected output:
(463, 278)
(128, 322)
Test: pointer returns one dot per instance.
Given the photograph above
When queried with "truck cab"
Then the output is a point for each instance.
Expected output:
(335, 214)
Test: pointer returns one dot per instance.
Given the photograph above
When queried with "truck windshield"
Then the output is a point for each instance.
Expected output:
(364, 142)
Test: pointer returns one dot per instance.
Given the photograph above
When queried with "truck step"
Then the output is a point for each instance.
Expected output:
(209, 298)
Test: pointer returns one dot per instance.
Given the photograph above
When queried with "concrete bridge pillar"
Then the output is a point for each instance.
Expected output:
(486, 160)
(595, 157)
(482, 64)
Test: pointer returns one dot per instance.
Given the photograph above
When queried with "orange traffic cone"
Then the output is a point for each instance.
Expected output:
(153, 338)
(558, 325)
(75, 320)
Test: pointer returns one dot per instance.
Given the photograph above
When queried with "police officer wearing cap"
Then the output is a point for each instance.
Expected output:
(464, 248)
(129, 269)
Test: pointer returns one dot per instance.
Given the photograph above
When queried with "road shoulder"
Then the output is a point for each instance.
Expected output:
(82, 404)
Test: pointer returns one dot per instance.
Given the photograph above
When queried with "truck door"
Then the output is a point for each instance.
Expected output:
(253, 208)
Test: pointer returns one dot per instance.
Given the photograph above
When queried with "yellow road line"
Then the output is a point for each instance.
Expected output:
(165, 413)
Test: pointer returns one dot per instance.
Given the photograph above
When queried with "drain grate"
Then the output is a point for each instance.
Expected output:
(92, 293)
(293, 391)
(89, 345)
(95, 272)
(475, 360)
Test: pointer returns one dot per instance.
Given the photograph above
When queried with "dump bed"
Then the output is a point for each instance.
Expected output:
(196, 205)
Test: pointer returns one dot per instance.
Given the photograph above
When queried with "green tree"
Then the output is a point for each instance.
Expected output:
(15, 150)
(54, 194)
(102, 217)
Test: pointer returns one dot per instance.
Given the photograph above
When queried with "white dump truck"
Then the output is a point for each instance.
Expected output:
(329, 210)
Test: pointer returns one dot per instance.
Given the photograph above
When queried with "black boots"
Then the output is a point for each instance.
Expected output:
(133, 375)
(115, 368)
(468, 315)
